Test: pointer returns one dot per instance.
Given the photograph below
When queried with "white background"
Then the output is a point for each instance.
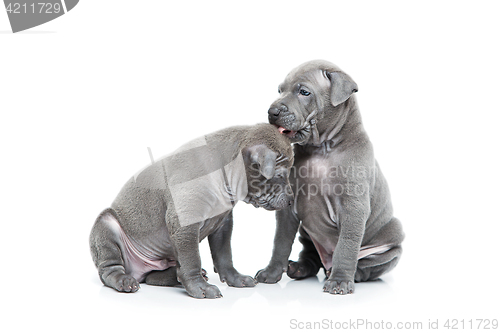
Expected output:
(83, 96)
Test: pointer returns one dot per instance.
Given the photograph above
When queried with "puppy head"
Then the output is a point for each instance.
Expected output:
(309, 91)
(268, 158)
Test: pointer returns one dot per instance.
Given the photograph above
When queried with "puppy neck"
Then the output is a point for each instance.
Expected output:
(335, 126)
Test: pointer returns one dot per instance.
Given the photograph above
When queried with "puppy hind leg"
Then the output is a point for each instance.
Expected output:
(373, 266)
(165, 278)
(107, 255)
(309, 261)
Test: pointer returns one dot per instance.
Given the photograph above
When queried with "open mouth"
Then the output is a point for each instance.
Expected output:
(286, 132)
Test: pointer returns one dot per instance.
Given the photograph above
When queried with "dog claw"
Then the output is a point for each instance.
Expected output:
(339, 287)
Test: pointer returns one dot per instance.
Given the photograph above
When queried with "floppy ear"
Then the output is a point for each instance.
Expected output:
(264, 157)
(342, 87)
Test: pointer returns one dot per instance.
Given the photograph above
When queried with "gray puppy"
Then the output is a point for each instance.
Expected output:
(152, 230)
(342, 201)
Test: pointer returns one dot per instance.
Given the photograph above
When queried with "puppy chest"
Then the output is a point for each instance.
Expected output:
(321, 177)
(312, 178)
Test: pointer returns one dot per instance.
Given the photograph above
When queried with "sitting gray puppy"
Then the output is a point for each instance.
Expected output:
(152, 230)
(342, 200)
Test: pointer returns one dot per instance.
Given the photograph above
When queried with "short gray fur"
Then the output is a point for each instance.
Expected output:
(347, 227)
(140, 239)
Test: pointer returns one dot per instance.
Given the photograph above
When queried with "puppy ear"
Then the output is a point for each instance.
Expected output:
(342, 87)
(264, 157)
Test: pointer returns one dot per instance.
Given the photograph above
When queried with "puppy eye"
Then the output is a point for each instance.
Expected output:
(304, 92)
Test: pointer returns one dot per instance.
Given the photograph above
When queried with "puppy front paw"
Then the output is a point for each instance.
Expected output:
(235, 279)
(270, 274)
(339, 287)
(125, 283)
(202, 289)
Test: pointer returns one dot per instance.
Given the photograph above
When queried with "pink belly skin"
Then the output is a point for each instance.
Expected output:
(139, 260)
(326, 254)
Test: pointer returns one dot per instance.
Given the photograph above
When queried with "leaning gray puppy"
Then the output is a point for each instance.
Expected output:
(342, 201)
(152, 229)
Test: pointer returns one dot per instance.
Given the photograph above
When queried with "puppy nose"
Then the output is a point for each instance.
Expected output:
(274, 112)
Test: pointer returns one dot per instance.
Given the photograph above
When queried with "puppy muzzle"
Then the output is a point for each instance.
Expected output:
(288, 125)
(270, 202)
(282, 201)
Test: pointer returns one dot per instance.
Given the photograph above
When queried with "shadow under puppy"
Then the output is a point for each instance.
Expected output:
(152, 229)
